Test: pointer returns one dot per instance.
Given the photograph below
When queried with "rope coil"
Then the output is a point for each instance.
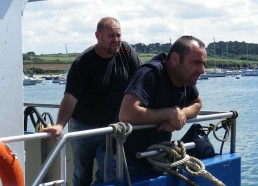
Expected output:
(174, 157)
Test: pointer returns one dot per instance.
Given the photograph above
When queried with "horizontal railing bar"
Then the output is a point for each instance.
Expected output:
(192, 120)
(42, 105)
(52, 183)
(139, 155)
(106, 130)
(25, 137)
(210, 117)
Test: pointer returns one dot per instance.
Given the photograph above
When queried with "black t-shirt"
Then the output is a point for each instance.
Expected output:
(99, 83)
(152, 86)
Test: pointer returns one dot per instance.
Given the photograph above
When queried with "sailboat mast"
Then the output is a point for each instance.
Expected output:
(214, 52)
(67, 53)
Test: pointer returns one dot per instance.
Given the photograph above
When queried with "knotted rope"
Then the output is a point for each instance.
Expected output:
(120, 132)
(225, 124)
(173, 157)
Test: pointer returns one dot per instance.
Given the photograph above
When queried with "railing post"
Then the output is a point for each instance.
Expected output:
(233, 136)
(63, 165)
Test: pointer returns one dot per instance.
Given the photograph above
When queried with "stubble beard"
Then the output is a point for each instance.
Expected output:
(114, 50)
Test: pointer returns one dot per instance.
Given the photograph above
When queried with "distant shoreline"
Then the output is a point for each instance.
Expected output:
(50, 66)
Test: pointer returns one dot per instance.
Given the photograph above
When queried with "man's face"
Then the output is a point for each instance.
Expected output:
(193, 65)
(110, 38)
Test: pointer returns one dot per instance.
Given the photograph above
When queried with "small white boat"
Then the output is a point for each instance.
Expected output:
(238, 76)
(250, 72)
(62, 81)
(29, 82)
(46, 82)
(204, 76)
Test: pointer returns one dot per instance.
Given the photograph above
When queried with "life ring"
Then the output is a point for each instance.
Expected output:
(10, 169)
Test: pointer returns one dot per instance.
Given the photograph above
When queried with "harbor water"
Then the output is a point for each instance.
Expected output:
(218, 94)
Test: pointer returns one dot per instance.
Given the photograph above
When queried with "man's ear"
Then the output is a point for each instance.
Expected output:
(98, 35)
(175, 58)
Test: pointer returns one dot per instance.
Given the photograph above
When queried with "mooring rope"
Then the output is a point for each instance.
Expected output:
(173, 157)
(120, 132)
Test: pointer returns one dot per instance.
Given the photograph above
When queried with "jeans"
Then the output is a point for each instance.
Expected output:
(137, 170)
(85, 150)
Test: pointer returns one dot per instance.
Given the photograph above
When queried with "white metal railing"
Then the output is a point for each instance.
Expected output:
(60, 145)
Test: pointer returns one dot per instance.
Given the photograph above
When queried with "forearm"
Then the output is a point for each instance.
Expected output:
(193, 109)
(134, 112)
(66, 109)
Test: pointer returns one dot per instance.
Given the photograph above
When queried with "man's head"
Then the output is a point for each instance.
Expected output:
(108, 35)
(186, 60)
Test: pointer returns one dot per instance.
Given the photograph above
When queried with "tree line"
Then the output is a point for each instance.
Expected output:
(216, 49)
(226, 55)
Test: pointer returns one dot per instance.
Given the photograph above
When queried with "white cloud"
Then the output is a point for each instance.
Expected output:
(49, 25)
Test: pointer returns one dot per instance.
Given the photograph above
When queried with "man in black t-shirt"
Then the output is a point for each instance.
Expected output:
(95, 85)
(162, 91)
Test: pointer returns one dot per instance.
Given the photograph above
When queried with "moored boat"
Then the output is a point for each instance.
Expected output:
(250, 72)
(29, 81)
(216, 73)
(204, 76)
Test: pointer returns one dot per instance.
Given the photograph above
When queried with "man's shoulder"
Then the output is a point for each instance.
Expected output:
(88, 51)
(125, 47)
(85, 54)
(156, 62)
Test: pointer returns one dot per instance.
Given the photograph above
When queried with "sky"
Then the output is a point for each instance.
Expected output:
(60, 26)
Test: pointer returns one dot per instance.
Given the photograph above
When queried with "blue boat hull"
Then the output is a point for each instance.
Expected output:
(226, 168)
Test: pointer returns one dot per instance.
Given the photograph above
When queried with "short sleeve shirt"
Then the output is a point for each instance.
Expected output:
(99, 83)
(153, 88)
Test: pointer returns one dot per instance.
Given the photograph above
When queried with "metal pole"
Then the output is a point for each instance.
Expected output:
(192, 120)
(233, 136)
(139, 155)
(25, 137)
(63, 164)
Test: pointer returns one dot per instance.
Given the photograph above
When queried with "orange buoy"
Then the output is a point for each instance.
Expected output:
(10, 169)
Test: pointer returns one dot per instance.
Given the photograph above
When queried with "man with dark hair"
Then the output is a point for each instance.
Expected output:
(95, 85)
(162, 91)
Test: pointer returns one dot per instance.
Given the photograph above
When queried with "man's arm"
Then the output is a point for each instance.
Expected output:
(132, 111)
(193, 108)
(65, 112)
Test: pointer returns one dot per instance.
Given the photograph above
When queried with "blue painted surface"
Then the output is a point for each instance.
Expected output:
(226, 168)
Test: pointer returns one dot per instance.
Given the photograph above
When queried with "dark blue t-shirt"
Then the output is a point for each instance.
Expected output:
(153, 88)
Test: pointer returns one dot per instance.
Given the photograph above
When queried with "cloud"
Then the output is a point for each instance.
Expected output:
(49, 25)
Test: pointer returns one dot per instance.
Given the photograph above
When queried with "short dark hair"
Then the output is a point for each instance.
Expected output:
(102, 22)
(182, 46)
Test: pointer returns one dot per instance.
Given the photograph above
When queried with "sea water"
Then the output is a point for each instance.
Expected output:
(218, 94)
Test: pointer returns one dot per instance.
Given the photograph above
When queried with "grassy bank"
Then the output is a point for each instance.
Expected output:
(59, 63)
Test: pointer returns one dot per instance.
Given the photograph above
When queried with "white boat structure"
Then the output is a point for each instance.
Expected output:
(29, 81)
(233, 72)
(249, 72)
(216, 73)
(49, 162)
(238, 76)
(204, 76)
(62, 81)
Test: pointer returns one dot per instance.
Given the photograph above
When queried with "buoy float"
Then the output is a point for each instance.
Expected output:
(10, 169)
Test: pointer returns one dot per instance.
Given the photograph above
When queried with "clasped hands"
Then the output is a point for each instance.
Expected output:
(176, 120)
